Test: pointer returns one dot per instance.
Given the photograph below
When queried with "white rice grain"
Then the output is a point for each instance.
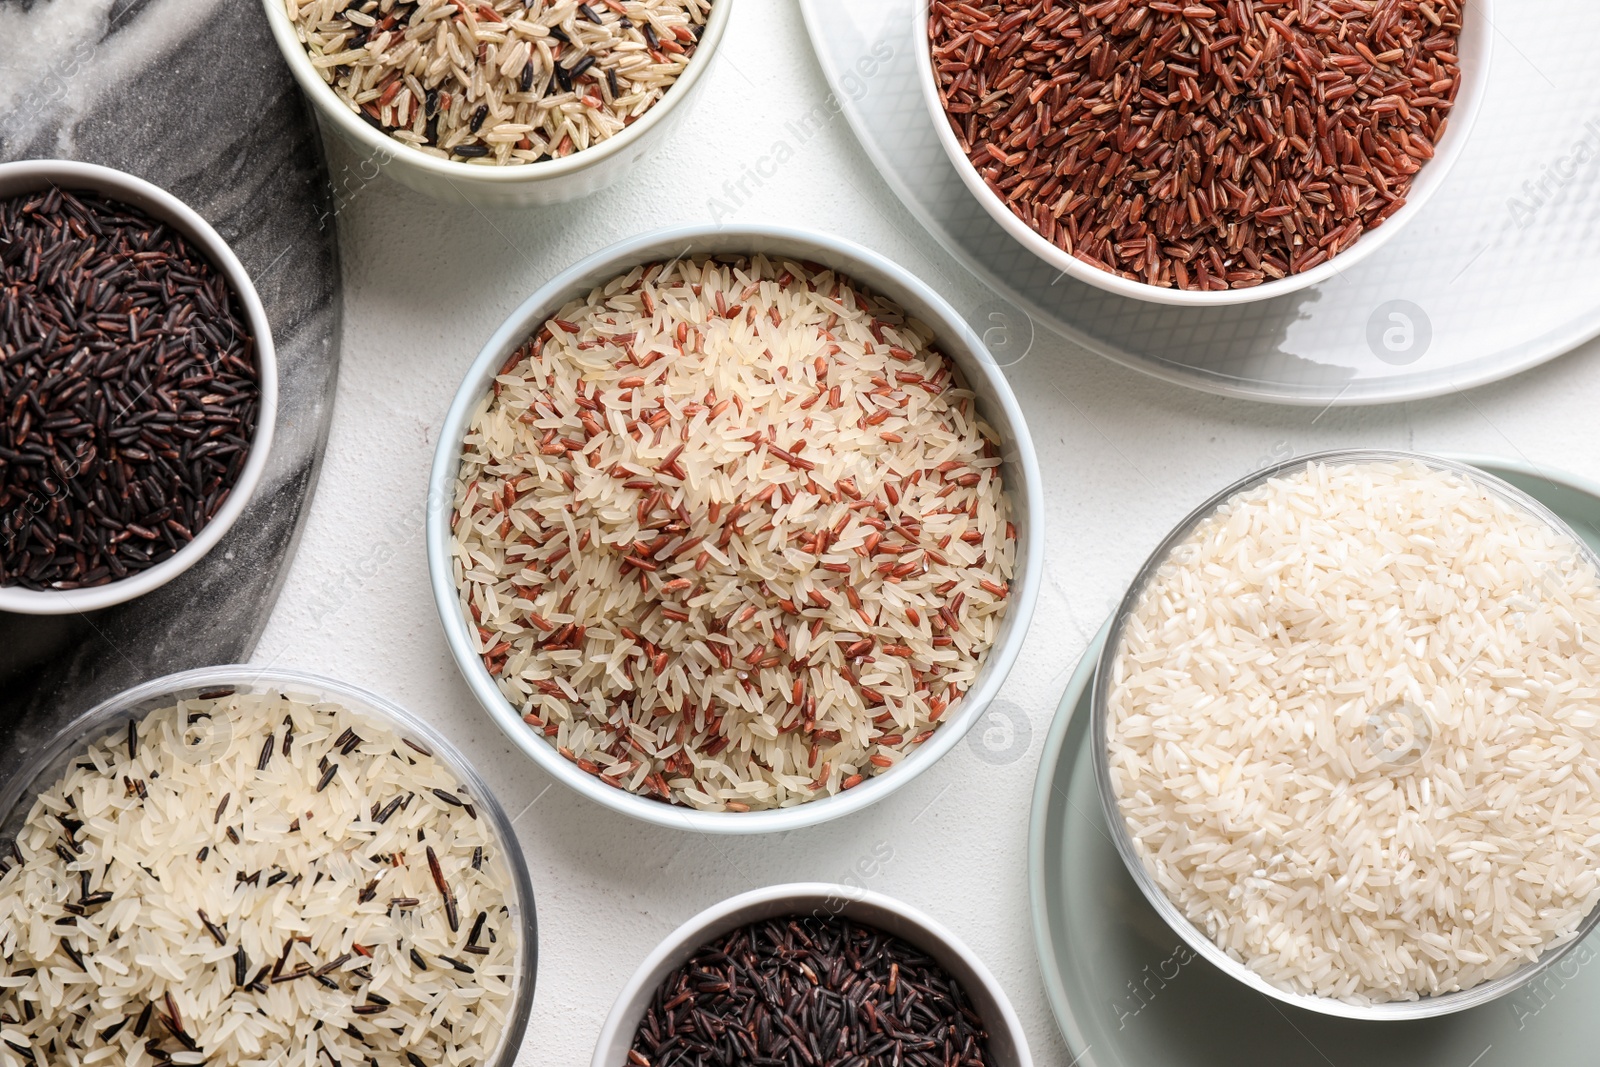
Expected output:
(1353, 731)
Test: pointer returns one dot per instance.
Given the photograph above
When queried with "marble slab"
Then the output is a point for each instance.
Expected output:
(193, 96)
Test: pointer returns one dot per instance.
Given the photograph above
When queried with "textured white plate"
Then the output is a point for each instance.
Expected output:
(1496, 274)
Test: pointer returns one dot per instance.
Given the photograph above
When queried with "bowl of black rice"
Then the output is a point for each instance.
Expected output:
(139, 383)
(812, 973)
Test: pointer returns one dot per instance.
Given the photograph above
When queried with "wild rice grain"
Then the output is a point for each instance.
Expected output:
(128, 391)
(501, 82)
(172, 933)
(810, 990)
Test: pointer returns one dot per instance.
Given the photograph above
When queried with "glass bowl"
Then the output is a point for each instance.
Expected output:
(1425, 1007)
(27, 769)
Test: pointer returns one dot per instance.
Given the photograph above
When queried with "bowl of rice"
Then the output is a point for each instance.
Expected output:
(788, 959)
(237, 866)
(1202, 154)
(500, 103)
(730, 530)
(1348, 734)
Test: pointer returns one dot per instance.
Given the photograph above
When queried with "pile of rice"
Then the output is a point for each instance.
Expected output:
(1353, 731)
(181, 905)
(731, 534)
(500, 81)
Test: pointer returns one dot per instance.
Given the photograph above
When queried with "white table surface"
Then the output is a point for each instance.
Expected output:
(1124, 458)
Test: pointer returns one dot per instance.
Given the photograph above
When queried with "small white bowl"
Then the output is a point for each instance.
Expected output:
(953, 337)
(1008, 1045)
(31, 175)
(483, 185)
(1477, 38)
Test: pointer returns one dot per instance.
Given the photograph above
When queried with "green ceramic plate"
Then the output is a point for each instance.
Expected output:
(1128, 993)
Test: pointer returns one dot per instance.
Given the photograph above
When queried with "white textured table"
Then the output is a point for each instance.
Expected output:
(1124, 458)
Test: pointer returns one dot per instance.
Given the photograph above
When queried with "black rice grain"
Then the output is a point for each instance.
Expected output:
(129, 391)
(810, 990)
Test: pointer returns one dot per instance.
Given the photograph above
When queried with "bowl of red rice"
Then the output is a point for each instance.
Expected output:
(503, 103)
(1206, 153)
(734, 530)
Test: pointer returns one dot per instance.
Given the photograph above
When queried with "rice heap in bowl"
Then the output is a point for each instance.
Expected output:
(500, 82)
(255, 879)
(1352, 731)
(731, 534)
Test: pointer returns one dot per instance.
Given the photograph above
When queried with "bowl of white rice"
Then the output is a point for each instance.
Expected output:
(732, 530)
(1348, 734)
(238, 866)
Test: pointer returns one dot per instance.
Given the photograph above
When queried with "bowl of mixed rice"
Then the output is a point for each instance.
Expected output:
(734, 530)
(233, 866)
(506, 103)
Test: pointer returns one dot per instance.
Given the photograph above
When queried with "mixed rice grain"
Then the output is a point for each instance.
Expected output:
(500, 82)
(731, 534)
(250, 879)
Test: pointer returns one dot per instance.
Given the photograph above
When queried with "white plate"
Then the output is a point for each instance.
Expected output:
(1491, 278)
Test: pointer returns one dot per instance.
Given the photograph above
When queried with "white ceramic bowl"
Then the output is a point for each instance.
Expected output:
(525, 185)
(1008, 1045)
(953, 336)
(30, 175)
(1425, 1007)
(1477, 36)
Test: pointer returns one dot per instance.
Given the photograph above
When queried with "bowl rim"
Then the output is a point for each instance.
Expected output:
(155, 201)
(1423, 1007)
(330, 106)
(737, 911)
(1475, 62)
(616, 259)
(156, 693)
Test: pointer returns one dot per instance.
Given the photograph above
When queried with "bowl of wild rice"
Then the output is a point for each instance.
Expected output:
(1348, 734)
(1202, 153)
(139, 383)
(511, 103)
(733, 529)
(843, 974)
(241, 866)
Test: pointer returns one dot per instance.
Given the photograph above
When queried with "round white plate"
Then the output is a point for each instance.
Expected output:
(1495, 275)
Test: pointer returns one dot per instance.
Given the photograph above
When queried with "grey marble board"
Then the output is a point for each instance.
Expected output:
(193, 96)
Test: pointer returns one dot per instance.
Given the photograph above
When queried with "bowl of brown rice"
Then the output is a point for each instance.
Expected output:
(504, 103)
(732, 530)
(1202, 154)
(1348, 734)
(233, 865)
